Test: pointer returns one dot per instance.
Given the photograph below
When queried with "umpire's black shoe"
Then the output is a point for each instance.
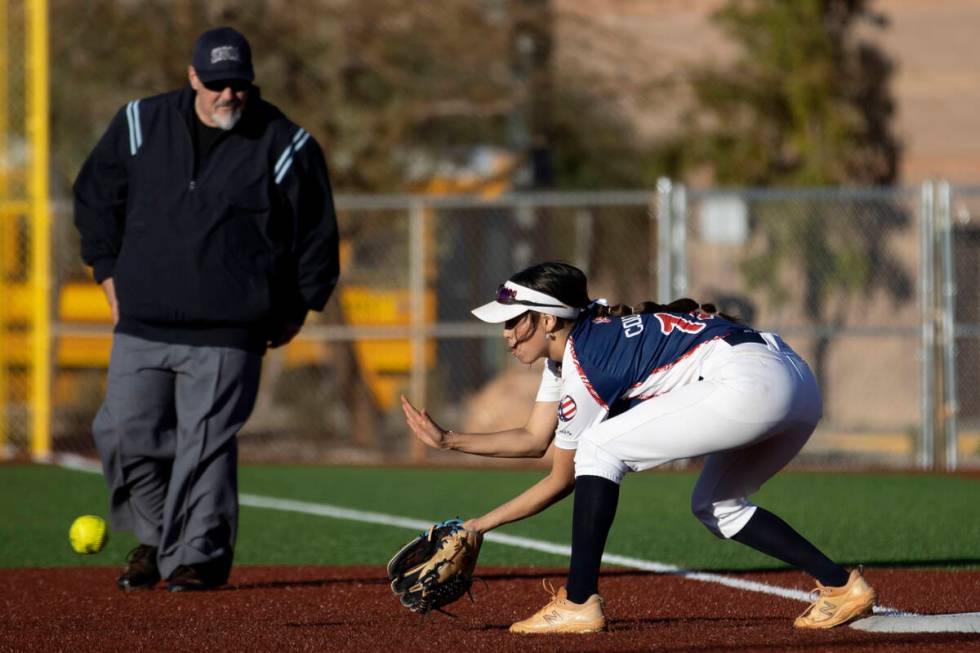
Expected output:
(140, 572)
(194, 578)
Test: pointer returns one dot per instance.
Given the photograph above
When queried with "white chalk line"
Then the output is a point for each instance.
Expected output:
(971, 621)
(383, 519)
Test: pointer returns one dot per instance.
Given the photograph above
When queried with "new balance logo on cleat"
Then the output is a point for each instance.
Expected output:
(853, 600)
(562, 616)
(829, 608)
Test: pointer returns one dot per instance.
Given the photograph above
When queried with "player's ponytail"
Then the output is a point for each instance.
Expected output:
(680, 305)
(569, 284)
(616, 310)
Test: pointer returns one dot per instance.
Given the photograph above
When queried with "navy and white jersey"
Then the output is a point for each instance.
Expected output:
(611, 363)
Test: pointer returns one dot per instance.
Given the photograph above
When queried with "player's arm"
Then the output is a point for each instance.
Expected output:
(528, 441)
(581, 410)
(554, 487)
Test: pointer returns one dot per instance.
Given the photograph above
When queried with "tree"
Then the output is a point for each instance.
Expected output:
(375, 81)
(806, 103)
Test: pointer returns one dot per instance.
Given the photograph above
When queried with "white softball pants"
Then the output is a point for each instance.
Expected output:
(755, 408)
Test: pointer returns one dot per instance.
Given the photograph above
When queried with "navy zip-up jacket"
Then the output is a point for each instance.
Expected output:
(223, 255)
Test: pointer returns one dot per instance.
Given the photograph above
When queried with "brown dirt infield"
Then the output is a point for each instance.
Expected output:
(352, 609)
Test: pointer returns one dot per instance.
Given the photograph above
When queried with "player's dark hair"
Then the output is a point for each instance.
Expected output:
(562, 281)
(569, 285)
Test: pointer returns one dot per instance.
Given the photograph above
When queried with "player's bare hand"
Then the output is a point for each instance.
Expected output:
(423, 426)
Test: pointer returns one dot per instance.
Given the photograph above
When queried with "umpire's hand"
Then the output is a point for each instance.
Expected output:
(109, 288)
(285, 333)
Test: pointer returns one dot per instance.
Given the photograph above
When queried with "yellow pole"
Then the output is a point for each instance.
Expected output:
(37, 120)
(4, 197)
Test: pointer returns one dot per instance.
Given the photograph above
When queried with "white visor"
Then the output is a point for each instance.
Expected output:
(513, 299)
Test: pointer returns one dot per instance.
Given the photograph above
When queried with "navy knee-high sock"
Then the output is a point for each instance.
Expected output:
(769, 534)
(596, 499)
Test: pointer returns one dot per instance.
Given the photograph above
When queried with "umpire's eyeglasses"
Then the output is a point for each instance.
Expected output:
(236, 85)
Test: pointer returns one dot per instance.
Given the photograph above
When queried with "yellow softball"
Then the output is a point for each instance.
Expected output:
(88, 534)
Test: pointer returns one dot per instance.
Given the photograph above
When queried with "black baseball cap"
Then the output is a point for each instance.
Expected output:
(222, 53)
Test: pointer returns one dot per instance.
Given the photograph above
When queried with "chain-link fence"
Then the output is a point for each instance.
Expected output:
(962, 382)
(13, 426)
(23, 222)
(399, 322)
(838, 273)
(835, 273)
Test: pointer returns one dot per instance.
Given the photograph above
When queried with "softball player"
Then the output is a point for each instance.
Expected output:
(623, 393)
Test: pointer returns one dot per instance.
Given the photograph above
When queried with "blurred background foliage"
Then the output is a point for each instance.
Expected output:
(393, 90)
(387, 87)
(805, 103)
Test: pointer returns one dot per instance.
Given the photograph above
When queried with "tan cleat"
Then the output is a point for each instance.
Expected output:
(563, 616)
(838, 605)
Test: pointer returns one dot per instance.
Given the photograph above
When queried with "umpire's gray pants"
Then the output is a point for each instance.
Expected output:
(166, 434)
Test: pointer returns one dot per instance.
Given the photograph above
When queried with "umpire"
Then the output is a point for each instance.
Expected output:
(208, 219)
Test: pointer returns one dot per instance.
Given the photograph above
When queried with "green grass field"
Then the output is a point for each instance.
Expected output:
(914, 520)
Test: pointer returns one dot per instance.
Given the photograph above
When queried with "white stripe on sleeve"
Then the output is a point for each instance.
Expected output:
(286, 159)
(135, 128)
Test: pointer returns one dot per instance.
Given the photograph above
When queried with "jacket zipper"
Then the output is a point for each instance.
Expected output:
(190, 137)
(204, 160)
(197, 174)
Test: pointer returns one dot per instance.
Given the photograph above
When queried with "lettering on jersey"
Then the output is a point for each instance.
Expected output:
(567, 408)
(670, 322)
(632, 325)
(704, 316)
(601, 320)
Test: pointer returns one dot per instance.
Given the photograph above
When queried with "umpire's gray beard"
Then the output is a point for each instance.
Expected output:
(226, 120)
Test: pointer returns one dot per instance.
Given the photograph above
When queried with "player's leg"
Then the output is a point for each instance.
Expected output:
(720, 501)
(726, 410)
(720, 496)
(577, 607)
(134, 434)
(662, 429)
(216, 391)
(596, 499)
(676, 425)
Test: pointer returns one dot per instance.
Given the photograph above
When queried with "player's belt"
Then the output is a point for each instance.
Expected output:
(739, 337)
